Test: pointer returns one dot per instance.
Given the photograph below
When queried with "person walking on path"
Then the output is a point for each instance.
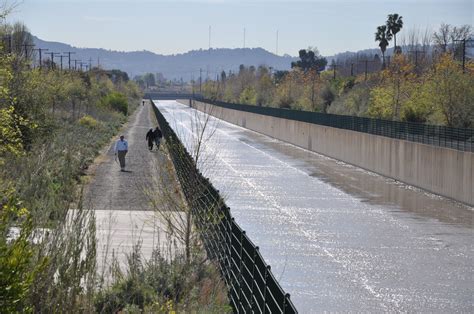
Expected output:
(157, 135)
(121, 149)
(150, 137)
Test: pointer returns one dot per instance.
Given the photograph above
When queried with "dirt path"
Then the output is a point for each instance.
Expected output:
(113, 189)
(123, 212)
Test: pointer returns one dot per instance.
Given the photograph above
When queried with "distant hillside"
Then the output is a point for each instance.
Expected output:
(174, 66)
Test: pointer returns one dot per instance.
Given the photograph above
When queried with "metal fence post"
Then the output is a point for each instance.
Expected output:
(255, 250)
(286, 300)
(264, 305)
(240, 268)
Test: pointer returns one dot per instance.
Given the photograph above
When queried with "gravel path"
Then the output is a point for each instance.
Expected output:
(112, 189)
(123, 212)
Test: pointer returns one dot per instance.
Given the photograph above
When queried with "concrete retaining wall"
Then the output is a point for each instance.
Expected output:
(442, 171)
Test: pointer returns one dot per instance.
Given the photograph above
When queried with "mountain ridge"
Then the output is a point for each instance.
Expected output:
(178, 66)
(187, 65)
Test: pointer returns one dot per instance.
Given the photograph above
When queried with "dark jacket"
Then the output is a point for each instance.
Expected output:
(150, 136)
(157, 133)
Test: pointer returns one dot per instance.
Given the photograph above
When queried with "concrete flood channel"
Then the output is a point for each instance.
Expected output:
(338, 238)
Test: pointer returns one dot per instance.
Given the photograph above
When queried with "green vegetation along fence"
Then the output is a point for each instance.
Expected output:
(455, 138)
(250, 282)
(170, 95)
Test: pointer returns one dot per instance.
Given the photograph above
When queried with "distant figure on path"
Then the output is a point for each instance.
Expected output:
(143, 103)
(158, 135)
(150, 137)
(121, 149)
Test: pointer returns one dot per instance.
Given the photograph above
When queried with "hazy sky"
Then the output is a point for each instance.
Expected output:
(169, 27)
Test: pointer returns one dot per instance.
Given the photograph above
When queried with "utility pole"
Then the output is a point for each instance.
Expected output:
(52, 54)
(352, 69)
(366, 62)
(40, 50)
(61, 58)
(25, 46)
(334, 66)
(416, 52)
(209, 38)
(8, 39)
(464, 52)
(200, 81)
(75, 63)
(90, 63)
(276, 51)
(69, 53)
(244, 37)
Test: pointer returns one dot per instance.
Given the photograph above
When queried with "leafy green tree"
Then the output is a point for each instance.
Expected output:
(452, 92)
(248, 96)
(278, 76)
(394, 25)
(149, 79)
(264, 87)
(310, 59)
(383, 37)
(117, 76)
(387, 99)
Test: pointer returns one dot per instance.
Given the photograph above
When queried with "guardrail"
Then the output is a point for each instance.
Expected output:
(442, 136)
(249, 280)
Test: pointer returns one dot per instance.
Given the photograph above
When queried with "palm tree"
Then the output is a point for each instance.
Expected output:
(394, 25)
(383, 37)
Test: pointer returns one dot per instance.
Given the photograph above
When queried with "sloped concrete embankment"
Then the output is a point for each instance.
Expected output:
(442, 171)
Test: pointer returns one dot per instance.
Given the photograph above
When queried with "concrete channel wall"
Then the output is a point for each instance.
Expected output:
(442, 171)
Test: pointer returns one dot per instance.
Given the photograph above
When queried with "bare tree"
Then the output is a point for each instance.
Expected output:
(447, 36)
(441, 37)
(175, 202)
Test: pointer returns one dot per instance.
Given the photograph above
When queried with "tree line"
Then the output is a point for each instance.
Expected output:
(428, 77)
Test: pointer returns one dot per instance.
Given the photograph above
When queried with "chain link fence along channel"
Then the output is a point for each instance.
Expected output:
(443, 136)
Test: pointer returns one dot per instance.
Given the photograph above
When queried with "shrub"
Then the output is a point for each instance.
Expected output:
(116, 101)
(89, 122)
